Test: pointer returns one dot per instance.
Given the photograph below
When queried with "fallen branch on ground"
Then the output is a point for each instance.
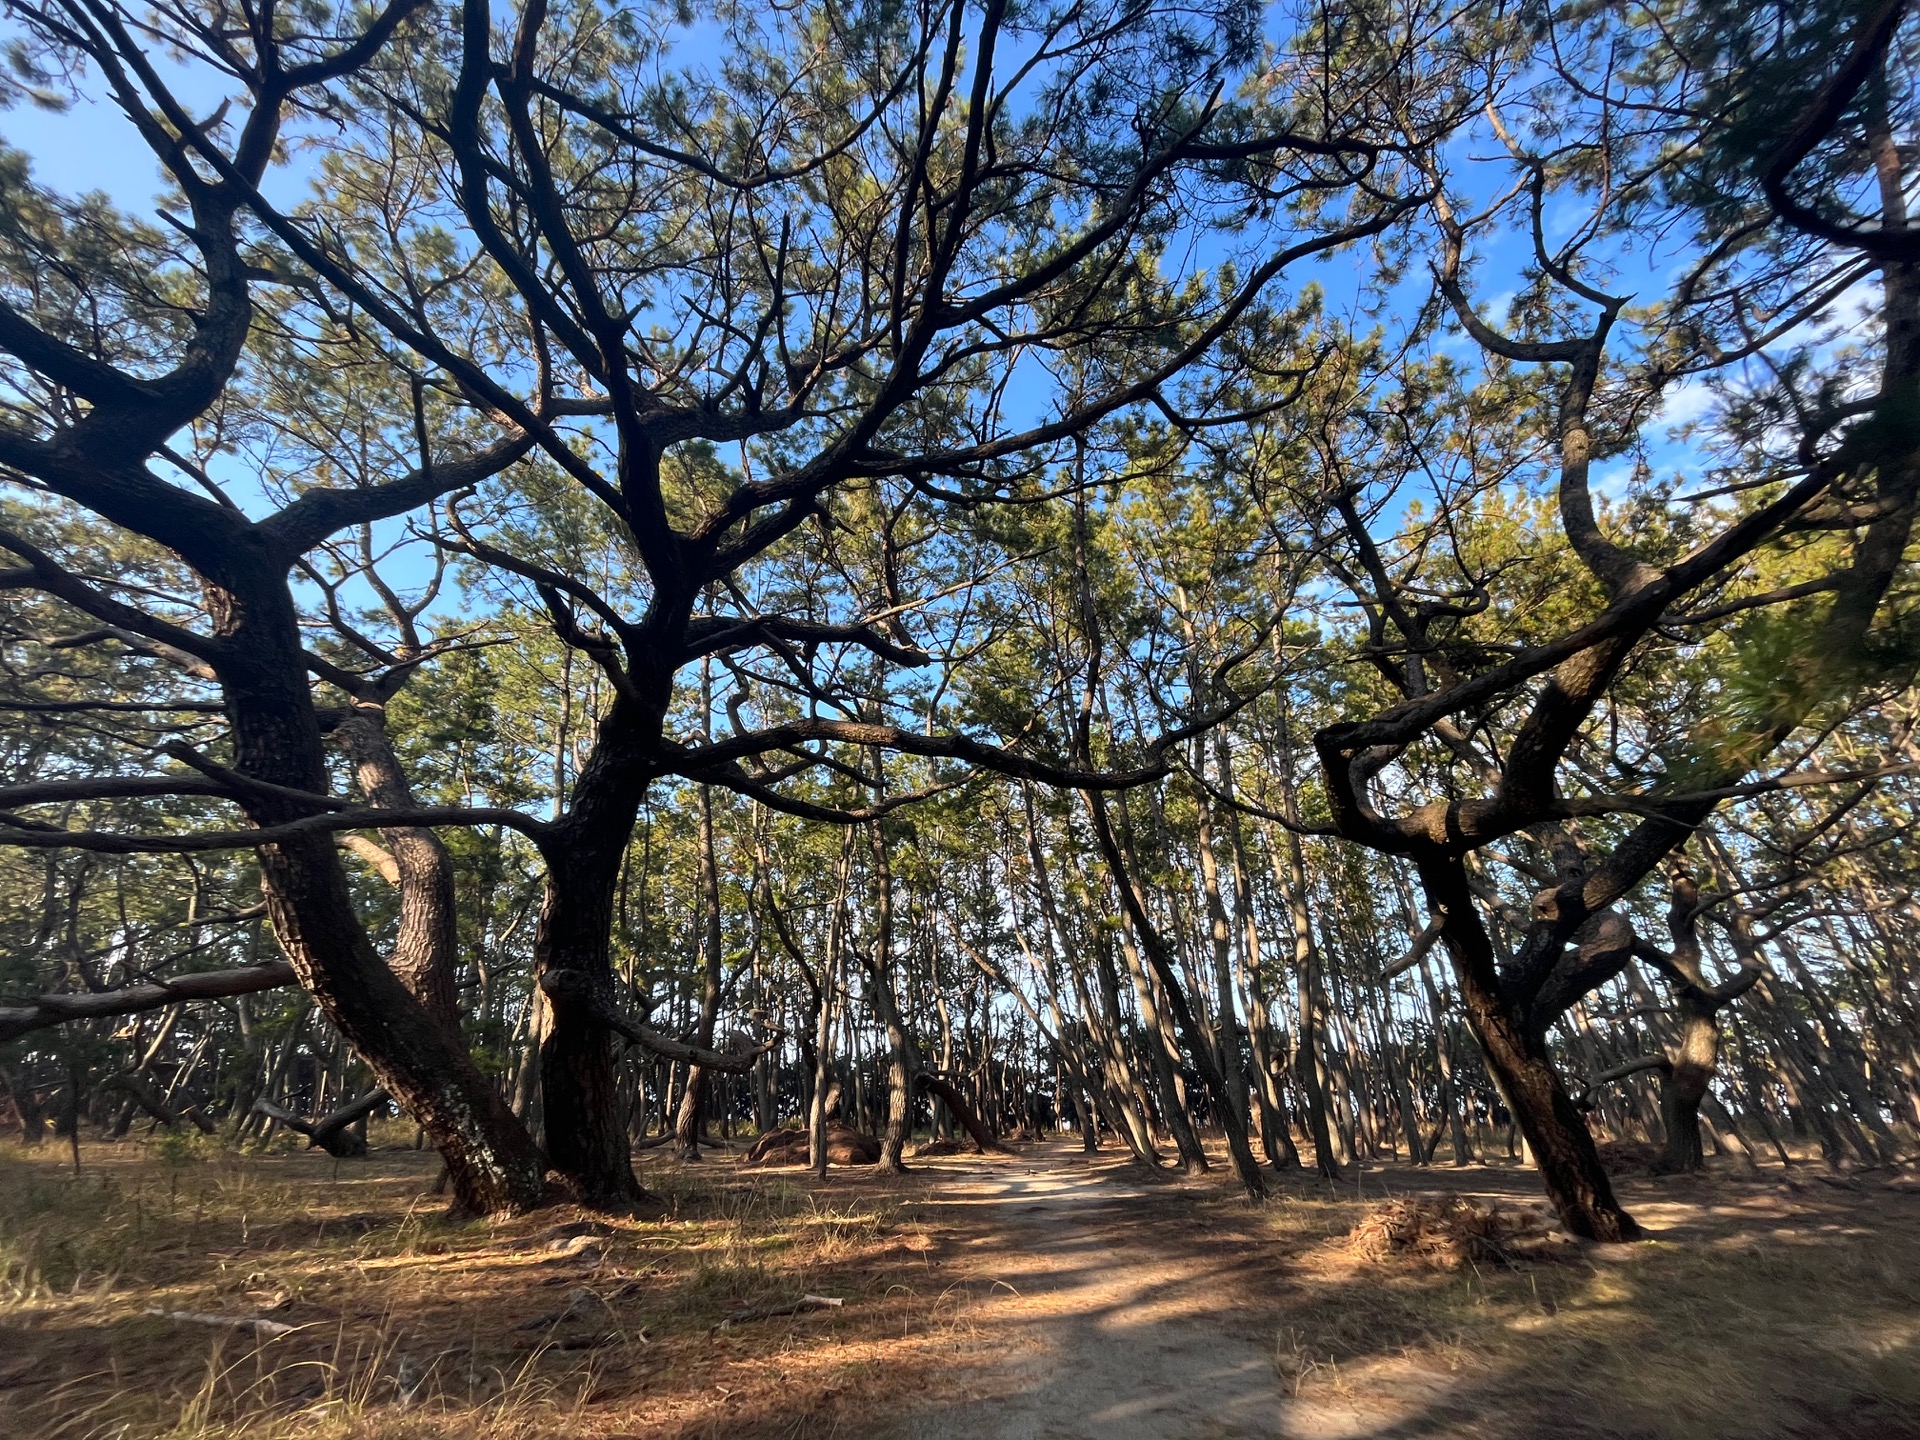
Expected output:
(768, 1312)
(331, 1133)
(263, 1329)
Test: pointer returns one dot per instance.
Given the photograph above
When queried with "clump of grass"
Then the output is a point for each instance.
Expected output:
(364, 1391)
(731, 1241)
(760, 1213)
(60, 1230)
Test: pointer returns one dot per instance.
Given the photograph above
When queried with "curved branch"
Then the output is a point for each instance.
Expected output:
(33, 835)
(574, 988)
(45, 1010)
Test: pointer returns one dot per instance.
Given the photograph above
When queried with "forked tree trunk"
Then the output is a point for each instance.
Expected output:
(1556, 1132)
(1684, 1084)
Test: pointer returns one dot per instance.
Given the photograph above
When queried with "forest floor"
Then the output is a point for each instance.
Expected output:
(1041, 1294)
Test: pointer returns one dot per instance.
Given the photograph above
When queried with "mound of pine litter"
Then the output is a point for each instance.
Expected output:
(1452, 1231)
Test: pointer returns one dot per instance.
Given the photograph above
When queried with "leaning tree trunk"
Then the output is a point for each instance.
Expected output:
(1563, 1148)
(491, 1160)
(976, 1128)
(1688, 1069)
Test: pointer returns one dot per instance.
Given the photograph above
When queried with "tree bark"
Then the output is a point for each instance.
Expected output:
(693, 1099)
(886, 1005)
(491, 1160)
(1684, 1084)
(425, 952)
(1563, 1149)
(586, 1135)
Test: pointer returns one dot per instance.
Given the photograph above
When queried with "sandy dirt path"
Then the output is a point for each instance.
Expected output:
(1119, 1331)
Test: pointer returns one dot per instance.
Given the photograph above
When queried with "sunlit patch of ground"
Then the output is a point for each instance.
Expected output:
(1130, 1303)
(1760, 1306)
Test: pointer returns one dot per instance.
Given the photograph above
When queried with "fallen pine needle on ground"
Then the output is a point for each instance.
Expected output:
(191, 1291)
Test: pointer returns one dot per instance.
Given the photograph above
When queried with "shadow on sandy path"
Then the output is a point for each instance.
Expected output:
(1141, 1340)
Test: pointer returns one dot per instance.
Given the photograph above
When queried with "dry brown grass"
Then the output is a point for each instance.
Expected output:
(1449, 1231)
(1761, 1307)
(1776, 1307)
(411, 1324)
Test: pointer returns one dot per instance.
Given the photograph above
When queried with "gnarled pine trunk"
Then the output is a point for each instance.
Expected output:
(1563, 1149)
(491, 1161)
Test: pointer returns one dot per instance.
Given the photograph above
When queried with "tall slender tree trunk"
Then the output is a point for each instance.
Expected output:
(831, 966)
(1309, 1066)
(1122, 1078)
(1234, 1098)
(886, 1004)
(1173, 1107)
(693, 1100)
(1276, 1136)
(1451, 1098)
(1151, 942)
